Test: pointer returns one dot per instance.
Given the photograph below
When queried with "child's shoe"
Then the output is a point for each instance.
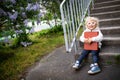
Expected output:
(76, 65)
(94, 69)
(91, 65)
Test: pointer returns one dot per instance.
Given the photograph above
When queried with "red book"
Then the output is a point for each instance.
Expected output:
(93, 45)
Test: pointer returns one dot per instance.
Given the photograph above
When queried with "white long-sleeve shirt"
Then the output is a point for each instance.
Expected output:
(98, 38)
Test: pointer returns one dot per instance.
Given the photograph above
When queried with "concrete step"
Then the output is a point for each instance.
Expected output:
(102, 1)
(107, 15)
(110, 45)
(111, 40)
(110, 22)
(111, 30)
(105, 9)
(110, 50)
(107, 3)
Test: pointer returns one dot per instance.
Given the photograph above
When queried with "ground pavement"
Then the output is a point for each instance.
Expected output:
(58, 66)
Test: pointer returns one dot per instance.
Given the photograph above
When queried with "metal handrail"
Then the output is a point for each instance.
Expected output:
(73, 13)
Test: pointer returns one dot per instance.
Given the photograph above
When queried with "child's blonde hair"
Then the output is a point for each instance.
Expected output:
(92, 18)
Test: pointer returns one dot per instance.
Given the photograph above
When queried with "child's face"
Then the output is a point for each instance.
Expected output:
(91, 24)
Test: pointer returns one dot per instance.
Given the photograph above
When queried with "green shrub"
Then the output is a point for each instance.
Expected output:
(54, 30)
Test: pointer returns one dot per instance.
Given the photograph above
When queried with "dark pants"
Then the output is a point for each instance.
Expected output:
(95, 55)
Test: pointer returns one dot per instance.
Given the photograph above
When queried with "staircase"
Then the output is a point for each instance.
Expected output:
(108, 12)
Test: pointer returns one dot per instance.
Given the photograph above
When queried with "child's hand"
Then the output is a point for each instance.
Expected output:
(89, 40)
(86, 40)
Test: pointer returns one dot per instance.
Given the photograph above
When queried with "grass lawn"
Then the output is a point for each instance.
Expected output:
(15, 61)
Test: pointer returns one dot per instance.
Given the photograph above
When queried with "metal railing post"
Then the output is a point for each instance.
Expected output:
(63, 24)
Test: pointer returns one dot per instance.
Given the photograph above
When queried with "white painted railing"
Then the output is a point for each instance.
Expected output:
(73, 13)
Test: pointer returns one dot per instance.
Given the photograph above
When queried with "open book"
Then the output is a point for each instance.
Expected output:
(93, 45)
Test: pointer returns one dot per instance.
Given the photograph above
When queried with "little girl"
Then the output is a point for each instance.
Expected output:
(92, 25)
